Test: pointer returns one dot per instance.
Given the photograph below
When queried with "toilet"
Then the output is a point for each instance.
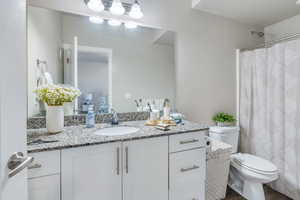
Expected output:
(247, 173)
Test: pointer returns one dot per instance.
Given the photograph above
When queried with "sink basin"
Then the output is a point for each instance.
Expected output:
(118, 130)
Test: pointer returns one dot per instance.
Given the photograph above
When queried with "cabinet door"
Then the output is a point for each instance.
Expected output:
(145, 168)
(44, 188)
(92, 173)
(187, 175)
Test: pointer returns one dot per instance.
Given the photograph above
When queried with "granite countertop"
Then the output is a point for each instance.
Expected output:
(75, 136)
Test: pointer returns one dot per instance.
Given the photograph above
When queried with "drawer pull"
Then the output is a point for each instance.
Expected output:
(35, 166)
(189, 141)
(189, 168)
(118, 161)
(126, 160)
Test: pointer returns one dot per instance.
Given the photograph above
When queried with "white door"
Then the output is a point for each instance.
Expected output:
(92, 173)
(145, 168)
(13, 98)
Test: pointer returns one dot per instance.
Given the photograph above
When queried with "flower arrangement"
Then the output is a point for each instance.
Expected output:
(57, 95)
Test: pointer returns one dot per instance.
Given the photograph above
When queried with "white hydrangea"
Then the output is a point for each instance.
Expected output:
(57, 95)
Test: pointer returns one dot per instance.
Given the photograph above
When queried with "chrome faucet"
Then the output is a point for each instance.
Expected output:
(115, 119)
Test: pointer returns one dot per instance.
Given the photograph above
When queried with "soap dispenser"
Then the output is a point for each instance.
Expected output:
(90, 117)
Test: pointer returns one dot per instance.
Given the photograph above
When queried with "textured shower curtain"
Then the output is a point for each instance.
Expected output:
(270, 110)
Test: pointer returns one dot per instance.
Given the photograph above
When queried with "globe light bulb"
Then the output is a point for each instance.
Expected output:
(95, 5)
(131, 25)
(117, 8)
(136, 11)
(114, 22)
(96, 19)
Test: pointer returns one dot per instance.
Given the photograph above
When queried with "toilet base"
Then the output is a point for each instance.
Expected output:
(253, 191)
(247, 189)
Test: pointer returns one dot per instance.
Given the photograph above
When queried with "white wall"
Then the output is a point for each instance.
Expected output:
(205, 52)
(44, 38)
(286, 27)
(139, 67)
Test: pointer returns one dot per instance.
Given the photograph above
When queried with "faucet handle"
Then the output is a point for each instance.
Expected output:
(115, 119)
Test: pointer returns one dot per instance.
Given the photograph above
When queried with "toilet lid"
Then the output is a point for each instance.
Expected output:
(254, 163)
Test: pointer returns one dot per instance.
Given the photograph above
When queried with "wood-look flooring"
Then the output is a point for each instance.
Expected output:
(270, 195)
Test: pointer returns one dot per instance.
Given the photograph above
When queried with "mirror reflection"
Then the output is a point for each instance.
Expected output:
(122, 66)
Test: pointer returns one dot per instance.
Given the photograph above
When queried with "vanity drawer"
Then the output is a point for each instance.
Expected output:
(187, 175)
(45, 163)
(187, 141)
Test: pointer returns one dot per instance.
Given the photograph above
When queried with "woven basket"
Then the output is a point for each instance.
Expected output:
(217, 171)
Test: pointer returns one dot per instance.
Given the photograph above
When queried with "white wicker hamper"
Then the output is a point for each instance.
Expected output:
(217, 171)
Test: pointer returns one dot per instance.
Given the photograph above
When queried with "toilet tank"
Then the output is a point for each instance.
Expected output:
(229, 135)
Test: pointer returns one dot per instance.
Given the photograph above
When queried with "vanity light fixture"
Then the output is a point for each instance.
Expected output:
(95, 5)
(96, 19)
(114, 22)
(130, 25)
(117, 8)
(136, 11)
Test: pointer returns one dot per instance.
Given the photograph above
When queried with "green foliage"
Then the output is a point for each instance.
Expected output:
(224, 117)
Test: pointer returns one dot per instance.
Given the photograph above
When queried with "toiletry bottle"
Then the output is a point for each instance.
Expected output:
(167, 110)
(90, 117)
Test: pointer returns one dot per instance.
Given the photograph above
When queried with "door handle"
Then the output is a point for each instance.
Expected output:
(17, 162)
(35, 166)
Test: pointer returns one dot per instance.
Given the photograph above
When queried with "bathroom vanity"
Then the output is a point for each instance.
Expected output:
(148, 164)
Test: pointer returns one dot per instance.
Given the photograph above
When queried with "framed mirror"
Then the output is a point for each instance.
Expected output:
(114, 64)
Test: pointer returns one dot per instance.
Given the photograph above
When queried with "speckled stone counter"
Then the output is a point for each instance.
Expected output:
(75, 136)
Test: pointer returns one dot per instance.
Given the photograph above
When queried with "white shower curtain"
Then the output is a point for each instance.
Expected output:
(270, 110)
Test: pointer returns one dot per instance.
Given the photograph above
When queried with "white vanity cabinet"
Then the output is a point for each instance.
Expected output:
(92, 172)
(158, 168)
(139, 168)
(145, 169)
(187, 163)
(44, 176)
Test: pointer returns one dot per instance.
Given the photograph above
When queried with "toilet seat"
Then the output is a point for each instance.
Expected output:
(254, 164)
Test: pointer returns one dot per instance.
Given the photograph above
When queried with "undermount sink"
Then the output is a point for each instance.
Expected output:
(118, 130)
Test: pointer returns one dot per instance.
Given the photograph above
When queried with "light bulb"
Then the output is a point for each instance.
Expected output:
(114, 22)
(136, 11)
(95, 5)
(131, 25)
(117, 8)
(96, 19)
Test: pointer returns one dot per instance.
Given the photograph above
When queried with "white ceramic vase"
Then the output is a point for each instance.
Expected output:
(55, 119)
(69, 108)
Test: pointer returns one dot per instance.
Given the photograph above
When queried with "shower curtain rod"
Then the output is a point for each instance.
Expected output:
(273, 42)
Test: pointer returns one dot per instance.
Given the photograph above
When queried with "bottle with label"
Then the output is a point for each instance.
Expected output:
(90, 117)
(167, 110)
